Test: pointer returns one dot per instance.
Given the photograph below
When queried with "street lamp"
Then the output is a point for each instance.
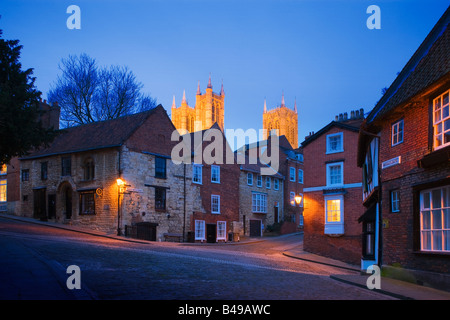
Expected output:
(298, 199)
(120, 184)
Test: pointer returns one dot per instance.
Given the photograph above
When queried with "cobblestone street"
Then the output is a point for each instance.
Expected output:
(114, 269)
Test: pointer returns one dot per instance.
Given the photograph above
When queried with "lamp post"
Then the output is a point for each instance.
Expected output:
(120, 184)
(298, 199)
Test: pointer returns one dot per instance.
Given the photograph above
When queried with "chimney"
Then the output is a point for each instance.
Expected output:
(352, 114)
(336, 118)
(340, 116)
(345, 116)
(361, 113)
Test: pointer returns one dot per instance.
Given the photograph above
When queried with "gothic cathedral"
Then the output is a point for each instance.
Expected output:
(209, 109)
(282, 121)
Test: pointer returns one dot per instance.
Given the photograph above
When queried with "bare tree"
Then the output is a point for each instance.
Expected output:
(87, 93)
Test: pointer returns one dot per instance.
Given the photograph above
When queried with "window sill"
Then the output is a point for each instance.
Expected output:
(432, 253)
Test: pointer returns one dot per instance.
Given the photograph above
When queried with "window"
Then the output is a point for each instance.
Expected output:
(25, 175)
(435, 219)
(215, 203)
(44, 170)
(250, 179)
(300, 176)
(66, 166)
(292, 174)
(3, 169)
(395, 201)
(3, 184)
(160, 167)
(397, 133)
(160, 198)
(259, 202)
(268, 182)
(215, 174)
(199, 230)
(335, 142)
(334, 215)
(259, 181)
(292, 198)
(441, 120)
(221, 230)
(335, 174)
(89, 169)
(369, 239)
(87, 203)
(197, 173)
(276, 184)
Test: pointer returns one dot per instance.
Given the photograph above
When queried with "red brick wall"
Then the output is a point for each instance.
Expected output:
(346, 247)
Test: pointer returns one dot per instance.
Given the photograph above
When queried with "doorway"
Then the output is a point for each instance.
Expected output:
(40, 211)
(51, 206)
(211, 233)
(255, 228)
(67, 193)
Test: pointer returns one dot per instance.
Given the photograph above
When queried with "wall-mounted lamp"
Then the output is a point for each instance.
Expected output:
(298, 199)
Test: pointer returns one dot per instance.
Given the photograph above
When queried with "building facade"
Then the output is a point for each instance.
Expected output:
(282, 121)
(407, 186)
(209, 109)
(332, 190)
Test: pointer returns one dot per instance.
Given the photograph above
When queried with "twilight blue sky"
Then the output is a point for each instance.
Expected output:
(318, 52)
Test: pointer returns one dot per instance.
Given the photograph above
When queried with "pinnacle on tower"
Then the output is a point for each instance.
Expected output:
(295, 105)
(209, 81)
(184, 97)
(265, 106)
(173, 103)
(282, 100)
(198, 89)
(222, 92)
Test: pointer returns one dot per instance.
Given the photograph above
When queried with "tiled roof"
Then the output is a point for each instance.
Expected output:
(95, 135)
(429, 63)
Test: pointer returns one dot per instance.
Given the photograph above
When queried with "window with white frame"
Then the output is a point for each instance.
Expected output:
(215, 203)
(441, 121)
(250, 179)
(300, 176)
(3, 169)
(335, 174)
(334, 214)
(395, 201)
(268, 182)
(259, 181)
(3, 190)
(335, 142)
(397, 133)
(197, 173)
(221, 230)
(435, 219)
(276, 184)
(292, 174)
(292, 198)
(215, 174)
(199, 229)
(259, 202)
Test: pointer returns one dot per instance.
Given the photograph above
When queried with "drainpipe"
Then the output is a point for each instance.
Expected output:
(118, 200)
(184, 204)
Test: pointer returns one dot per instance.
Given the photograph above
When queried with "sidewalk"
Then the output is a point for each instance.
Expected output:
(391, 287)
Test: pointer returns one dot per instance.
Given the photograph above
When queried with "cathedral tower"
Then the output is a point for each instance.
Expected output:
(209, 109)
(282, 121)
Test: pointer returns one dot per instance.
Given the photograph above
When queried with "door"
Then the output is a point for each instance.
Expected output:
(51, 206)
(68, 202)
(275, 214)
(255, 228)
(146, 231)
(211, 232)
(39, 204)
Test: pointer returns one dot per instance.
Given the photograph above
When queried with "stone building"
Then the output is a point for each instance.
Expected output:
(113, 176)
(282, 121)
(332, 190)
(260, 199)
(209, 109)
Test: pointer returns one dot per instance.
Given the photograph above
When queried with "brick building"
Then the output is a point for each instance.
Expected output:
(332, 190)
(404, 152)
(76, 179)
(260, 199)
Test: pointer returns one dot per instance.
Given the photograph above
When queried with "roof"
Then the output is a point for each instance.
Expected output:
(351, 126)
(92, 136)
(256, 167)
(428, 64)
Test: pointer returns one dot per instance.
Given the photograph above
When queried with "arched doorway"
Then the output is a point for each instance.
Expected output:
(65, 200)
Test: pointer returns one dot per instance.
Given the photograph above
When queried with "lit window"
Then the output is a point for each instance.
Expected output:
(221, 230)
(397, 133)
(292, 198)
(215, 203)
(3, 190)
(335, 142)
(395, 201)
(197, 173)
(335, 174)
(250, 179)
(259, 202)
(292, 174)
(441, 120)
(199, 230)
(215, 174)
(334, 214)
(3, 169)
(435, 219)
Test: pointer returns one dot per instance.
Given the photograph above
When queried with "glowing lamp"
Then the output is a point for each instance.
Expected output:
(120, 182)
(298, 199)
